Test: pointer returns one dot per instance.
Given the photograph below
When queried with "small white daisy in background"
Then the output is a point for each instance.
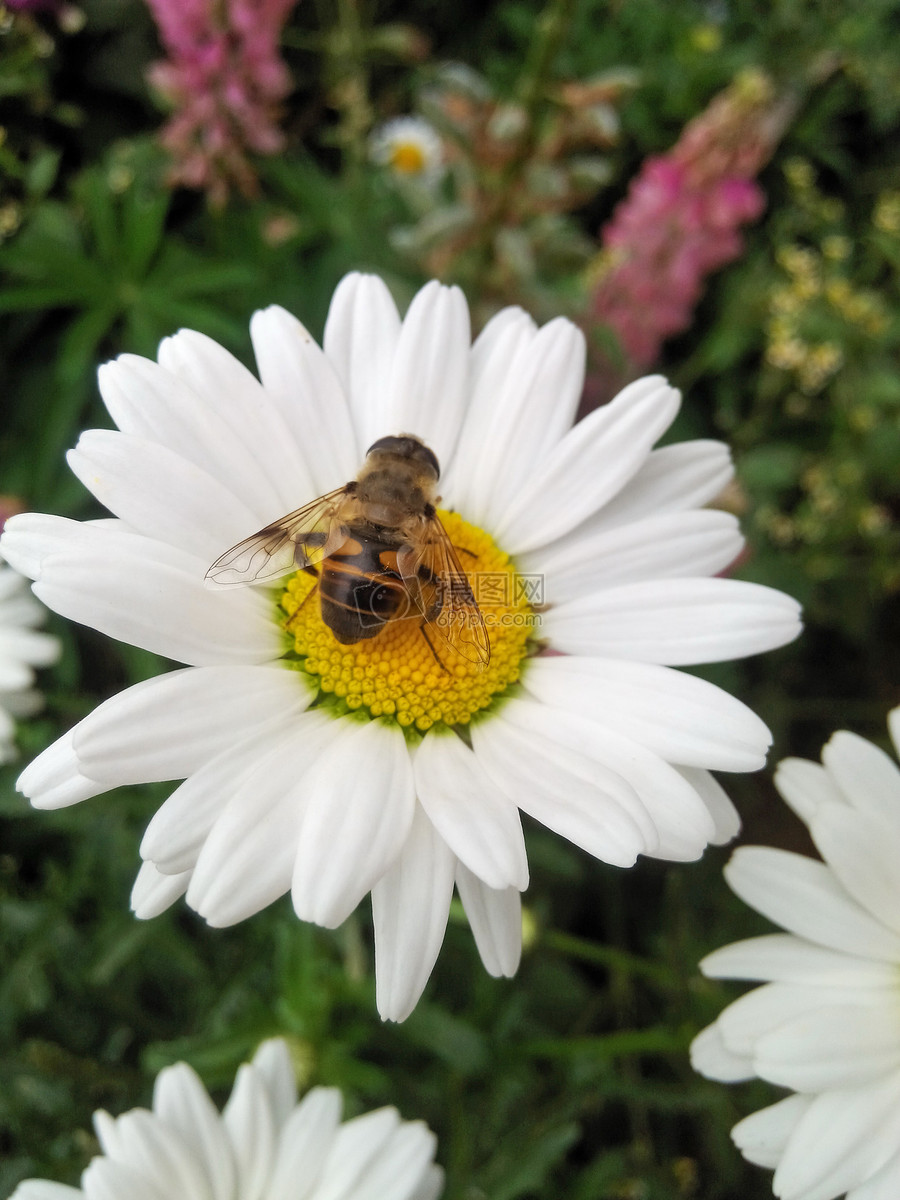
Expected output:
(22, 649)
(263, 1146)
(332, 770)
(410, 148)
(826, 1024)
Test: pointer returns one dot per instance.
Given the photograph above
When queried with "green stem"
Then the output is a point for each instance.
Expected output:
(608, 956)
(351, 87)
(550, 31)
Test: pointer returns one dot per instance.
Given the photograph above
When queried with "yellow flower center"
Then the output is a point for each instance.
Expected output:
(396, 673)
(408, 158)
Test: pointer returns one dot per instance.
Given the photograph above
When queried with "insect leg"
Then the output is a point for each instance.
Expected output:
(436, 656)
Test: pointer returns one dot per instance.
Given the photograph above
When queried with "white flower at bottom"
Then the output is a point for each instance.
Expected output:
(332, 771)
(263, 1146)
(827, 1022)
(22, 648)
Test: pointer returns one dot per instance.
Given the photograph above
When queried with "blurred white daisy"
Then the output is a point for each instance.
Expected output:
(332, 770)
(410, 148)
(826, 1024)
(22, 649)
(264, 1145)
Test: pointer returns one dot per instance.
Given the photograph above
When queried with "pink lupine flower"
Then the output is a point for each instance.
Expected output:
(224, 79)
(681, 218)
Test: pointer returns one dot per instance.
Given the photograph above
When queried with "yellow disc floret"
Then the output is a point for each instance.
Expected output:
(408, 158)
(408, 672)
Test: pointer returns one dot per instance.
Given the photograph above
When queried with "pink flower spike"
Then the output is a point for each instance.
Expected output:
(224, 80)
(681, 218)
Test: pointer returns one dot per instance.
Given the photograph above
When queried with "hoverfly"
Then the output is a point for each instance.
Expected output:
(379, 550)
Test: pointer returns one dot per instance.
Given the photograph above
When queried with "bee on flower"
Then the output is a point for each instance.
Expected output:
(365, 706)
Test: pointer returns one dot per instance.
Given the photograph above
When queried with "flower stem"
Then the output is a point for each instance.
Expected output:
(608, 956)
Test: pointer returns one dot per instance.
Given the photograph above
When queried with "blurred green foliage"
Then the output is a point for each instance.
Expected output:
(573, 1079)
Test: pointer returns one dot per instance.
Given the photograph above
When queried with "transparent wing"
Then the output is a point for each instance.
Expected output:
(301, 539)
(434, 576)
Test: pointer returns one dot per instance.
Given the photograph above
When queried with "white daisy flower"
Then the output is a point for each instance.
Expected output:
(22, 649)
(263, 1146)
(826, 1025)
(332, 770)
(410, 148)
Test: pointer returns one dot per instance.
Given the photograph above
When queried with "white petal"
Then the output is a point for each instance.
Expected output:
(762, 1136)
(495, 917)
(359, 808)
(181, 1100)
(432, 1185)
(182, 823)
(356, 1146)
(862, 849)
(759, 1012)
(161, 1154)
(160, 494)
(410, 905)
(250, 1123)
(725, 816)
(679, 717)
(869, 778)
(893, 721)
(150, 402)
(676, 822)
(526, 387)
(304, 1144)
(836, 1046)
(686, 475)
(14, 676)
(589, 466)
(429, 376)
(711, 1057)
(361, 335)
(687, 621)
(273, 1062)
(883, 1185)
(30, 648)
(238, 400)
(305, 386)
(43, 1189)
(152, 595)
(789, 959)
(845, 1136)
(28, 538)
(661, 546)
(804, 897)
(565, 789)
(154, 892)
(499, 346)
(804, 786)
(54, 779)
(476, 820)
(108, 1180)
(169, 726)
(247, 859)
(397, 1171)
